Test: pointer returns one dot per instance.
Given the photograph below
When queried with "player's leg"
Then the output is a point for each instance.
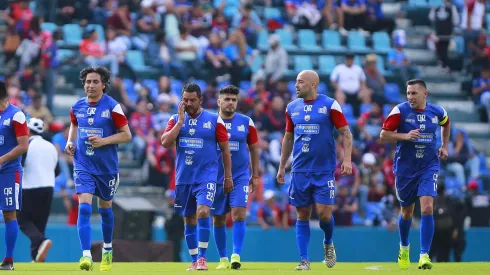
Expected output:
(85, 188)
(219, 211)
(185, 203)
(406, 193)
(426, 191)
(204, 193)
(238, 203)
(190, 232)
(11, 202)
(26, 219)
(43, 244)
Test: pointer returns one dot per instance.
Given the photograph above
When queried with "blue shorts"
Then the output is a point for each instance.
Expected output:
(409, 189)
(238, 197)
(11, 190)
(189, 196)
(307, 188)
(102, 186)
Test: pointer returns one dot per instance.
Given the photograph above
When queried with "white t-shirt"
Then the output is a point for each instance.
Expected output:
(348, 78)
(477, 17)
(40, 164)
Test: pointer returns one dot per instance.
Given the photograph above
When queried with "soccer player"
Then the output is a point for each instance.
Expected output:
(195, 133)
(13, 143)
(413, 124)
(98, 125)
(243, 142)
(310, 122)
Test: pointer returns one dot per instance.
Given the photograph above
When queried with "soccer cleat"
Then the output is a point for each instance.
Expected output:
(202, 264)
(7, 266)
(106, 263)
(303, 265)
(329, 255)
(223, 264)
(424, 262)
(86, 263)
(235, 261)
(404, 257)
(192, 267)
(42, 252)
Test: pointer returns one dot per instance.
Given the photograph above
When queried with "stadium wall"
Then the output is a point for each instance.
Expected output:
(355, 244)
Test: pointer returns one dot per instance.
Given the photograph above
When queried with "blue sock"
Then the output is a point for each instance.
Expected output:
(327, 228)
(220, 239)
(426, 233)
(303, 238)
(190, 232)
(404, 229)
(107, 226)
(11, 232)
(239, 228)
(83, 224)
(203, 235)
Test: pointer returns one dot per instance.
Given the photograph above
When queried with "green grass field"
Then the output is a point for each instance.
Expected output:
(257, 268)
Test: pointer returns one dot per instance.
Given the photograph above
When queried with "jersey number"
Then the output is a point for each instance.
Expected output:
(9, 201)
(435, 176)
(211, 191)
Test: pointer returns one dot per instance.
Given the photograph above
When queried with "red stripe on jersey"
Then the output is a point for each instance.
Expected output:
(446, 123)
(338, 118)
(73, 118)
(289, 123)
(120, 120)
(252, 137)
(20, 129)
(17, 177)
(392, 122)
(221, 133)
(170, 125)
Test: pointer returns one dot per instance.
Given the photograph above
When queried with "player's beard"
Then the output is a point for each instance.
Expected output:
(227, 113)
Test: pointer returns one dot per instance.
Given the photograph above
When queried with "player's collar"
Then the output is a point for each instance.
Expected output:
(310, 100)
(93, 102)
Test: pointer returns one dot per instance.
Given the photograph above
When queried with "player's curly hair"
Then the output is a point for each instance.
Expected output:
(105, 76)
(229, 90)
(3, 90)
(192, 88)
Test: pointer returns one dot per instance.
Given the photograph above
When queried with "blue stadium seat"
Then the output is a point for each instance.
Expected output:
(253, 210)
(262, 40)
(291, 86)
(381, 42)
(99, 29)
(418, 3)
(223, 84)
(459, 44)
(366, 108)
(176, 86)
(257, 63)
(357, 43)
(380, 63)
(63, 54)
(152, 86)
(349, 114)
(307, 41)
(392, 93)
(435, 3)
(48, 26)
(326, 64)
(286, 40)
(201, 84)
(72, 34)
(373, 210)
(387, 109)
(331, 41)
(322, 88)
(245, 85)
(129, 85)
(136, 59)
(357, 60)
(271, 13)
(302, 62)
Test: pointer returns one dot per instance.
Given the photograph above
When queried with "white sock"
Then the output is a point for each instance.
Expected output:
(224, 258)
(86, 253)
(107, 245)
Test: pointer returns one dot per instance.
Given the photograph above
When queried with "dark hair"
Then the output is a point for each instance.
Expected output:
(105, 76)
(417, 81)
(36, 24)
(192, 88)
(3, 90)
(229, 90)
(37, 97)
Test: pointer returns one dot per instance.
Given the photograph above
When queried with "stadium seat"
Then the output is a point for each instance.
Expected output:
(349, 114)
(49, 27)
(262, 40)
(245, 85)
(152, 86)
(291, 86)
(387, 109)
(63, 54)
(286, 40)
(257, 63)
(366, 108)
(331, 41)
(380, 63)
(435, 3)
(392, 93)
(459, 41)
(129, 85)
(136, 59)
(72, 34)
(202, 84)
(307, 41)
(357, 60)
(418, 3)
(381, 42)
(223, 84)
(357, 43)
(322, 88)
(99, 29)
(271, 13)
(176, 86)
(373, 210)
(326, 64)
(302, 62)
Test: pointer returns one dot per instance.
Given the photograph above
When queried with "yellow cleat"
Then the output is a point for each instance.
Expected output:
(106, 263)
(86, 263)
(235, 261)
(404, 257)
(424, 262)
(223, 264)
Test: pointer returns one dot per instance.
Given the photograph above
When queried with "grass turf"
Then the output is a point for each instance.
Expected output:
(257, 268)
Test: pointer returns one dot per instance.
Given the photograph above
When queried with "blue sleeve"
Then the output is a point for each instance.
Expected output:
(361, 3)
(255, 19)
(476, 83)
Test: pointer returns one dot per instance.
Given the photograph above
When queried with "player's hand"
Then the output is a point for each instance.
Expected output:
(228, 185)
(96, 141)
(70, 148)
(443, 153)
(253, 183)
(181, 112)
(280, 175)
(346, 168)
(413, 135)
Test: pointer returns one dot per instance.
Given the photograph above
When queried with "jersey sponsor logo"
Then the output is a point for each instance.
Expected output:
(323, 110)
(190, 152)
(308, 108)
(234, 145)
(306, 129)
(425, 138)
(2, 140)
(421, 118)
(295, 114)
(105, 114)
(6, 122)
(207, 125)
(306, 138)
(80, 115)
(241, 128)
(197, 143)
(91, 111)
(86, 132)
(409, 120)
(193, 122)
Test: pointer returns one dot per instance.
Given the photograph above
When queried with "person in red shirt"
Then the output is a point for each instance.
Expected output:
(20, 16)
(142, 126)
(95, 53)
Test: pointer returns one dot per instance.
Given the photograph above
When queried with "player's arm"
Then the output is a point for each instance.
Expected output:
(253, 147)
(121, 123)
(445, 133)
(287, 143)
(340, 122)
(390, 126)
(173, 128)
(72, 134)
(222, 139)
(20, 128)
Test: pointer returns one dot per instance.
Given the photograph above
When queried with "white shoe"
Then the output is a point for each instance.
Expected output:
(42, 252)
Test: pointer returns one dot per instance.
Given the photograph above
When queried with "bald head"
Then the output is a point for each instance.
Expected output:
(310, 77)
(307, 84)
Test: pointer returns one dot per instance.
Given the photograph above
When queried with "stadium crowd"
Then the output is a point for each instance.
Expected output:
(216, 43)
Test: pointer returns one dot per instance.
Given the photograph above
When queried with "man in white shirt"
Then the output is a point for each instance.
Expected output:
(40, 163)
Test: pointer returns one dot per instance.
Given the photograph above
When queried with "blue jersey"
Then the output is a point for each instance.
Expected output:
(102, 118)
(241, 133)
(12, 125)
(312, 123)
(411, 157)
(197, 157)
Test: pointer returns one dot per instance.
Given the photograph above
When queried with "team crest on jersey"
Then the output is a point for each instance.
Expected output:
(241, 128)
(188, 160)
(1, 140)
(307, 118)
(207, 125)
(90, 150)
(91, 111)
(6, 122)
(422, 127)
(105, 114)
(323, 110)
(435, 120)
(192, 131)
(90, 120)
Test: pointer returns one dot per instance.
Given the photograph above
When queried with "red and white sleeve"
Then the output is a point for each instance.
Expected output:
(337, 116)
(118, 117)
(289, 123)
(20, 124)
(252, 137)
(73, 118)
(393, 120)
(221, 132)
(170, 124)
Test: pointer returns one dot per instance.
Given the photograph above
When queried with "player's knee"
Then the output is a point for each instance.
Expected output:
(219, 220)
(239, 214)
(427, 209)
(325, 217)
(202, 212)
(190, 220)
(9, 216)
(407, 214)
(303, 214)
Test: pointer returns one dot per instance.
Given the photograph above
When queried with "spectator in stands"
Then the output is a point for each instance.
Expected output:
(481, 89)
(354, 14)
(370, 122)
(154, 151)
(445, 18)
(349, 79)
(249, 23)
(375, 18)
(345, 205)
(38, 110)
(165, 88)
(478, 205)
(389, 212)
(219, 24)
(66, 12)
(275, 64)
(352, 181)
(480, 54)
(269, 214)
(388, 170)
(141, 124)
(377, 187)
(210, 96)
(366, 169)
(186, 47)
(398, 60)
(260, 92)
(282, 90)
(147, 24)
(19, 16)
(95, 55)
(288, 216)
(461, 156)
(472, 20)
(161, 116)
(241, 56)
(65, 161)
(375, 80)
(257, 113)
(276, 121)
(115, 46)
(102, 11)
(120, 20)
(198, 23)
(216, 61)
(303, 14)
(119, 93)
(333, 11)
(10, 44)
